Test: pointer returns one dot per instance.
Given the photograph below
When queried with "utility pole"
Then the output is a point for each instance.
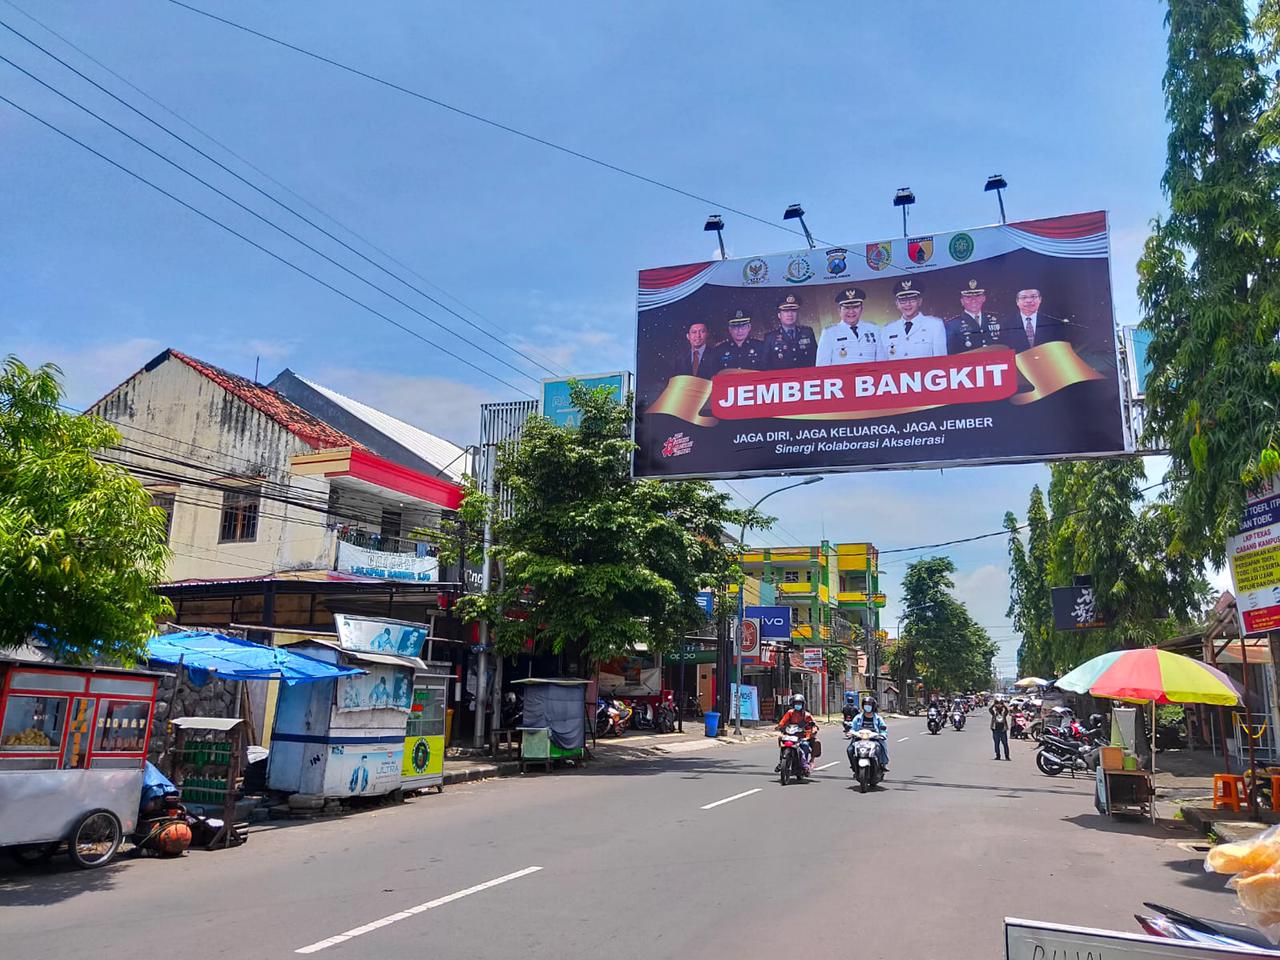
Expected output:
(482, 662)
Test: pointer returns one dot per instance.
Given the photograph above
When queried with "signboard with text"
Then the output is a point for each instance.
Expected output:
(1254, 556)
(558, 406)
(1076, 608)
(775, 622)
(994, 344)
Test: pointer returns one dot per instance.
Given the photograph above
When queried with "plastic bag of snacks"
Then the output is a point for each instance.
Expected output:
(1255, 866)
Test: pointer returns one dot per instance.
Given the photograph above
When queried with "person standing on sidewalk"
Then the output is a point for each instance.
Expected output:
(1000, 727)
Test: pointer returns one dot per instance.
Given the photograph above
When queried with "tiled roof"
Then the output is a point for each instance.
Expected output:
(448, 457)
(310, 429)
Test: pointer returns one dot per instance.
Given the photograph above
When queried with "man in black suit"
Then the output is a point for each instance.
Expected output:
(695, 360)
(1030, 327)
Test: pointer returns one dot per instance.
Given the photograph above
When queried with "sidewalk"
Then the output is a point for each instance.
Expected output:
(1184, 783)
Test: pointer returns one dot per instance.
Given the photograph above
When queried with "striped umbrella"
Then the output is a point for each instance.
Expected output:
(1152, 675)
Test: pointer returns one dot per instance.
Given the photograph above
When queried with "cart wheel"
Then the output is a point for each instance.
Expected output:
(32, 854)
(439, 789)
(95, 839)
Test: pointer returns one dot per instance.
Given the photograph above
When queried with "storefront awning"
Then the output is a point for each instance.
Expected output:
(229, 658)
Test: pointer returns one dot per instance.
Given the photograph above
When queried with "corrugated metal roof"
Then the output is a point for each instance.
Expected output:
(446, 456)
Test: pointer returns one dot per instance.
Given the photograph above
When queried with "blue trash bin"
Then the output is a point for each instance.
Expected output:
(712, 720)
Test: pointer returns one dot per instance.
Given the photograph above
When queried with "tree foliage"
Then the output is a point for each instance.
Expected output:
(1208, 273)
(591, 559)
(939, 641)
(80, 544)
(1097, 523)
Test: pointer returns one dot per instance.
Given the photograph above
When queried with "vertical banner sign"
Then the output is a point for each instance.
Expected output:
(1254, 554)
(988, 345)
(749, 638)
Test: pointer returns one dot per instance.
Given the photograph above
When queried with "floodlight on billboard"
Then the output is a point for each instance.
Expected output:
(994, 344)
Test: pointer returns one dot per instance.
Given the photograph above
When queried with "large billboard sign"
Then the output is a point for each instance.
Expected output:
(994, 344)
(1254, 555)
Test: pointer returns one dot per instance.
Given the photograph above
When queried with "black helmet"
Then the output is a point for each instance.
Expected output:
(1095, 719)
(869, 702)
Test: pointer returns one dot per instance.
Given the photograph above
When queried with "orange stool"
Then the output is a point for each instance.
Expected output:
(1228, 790)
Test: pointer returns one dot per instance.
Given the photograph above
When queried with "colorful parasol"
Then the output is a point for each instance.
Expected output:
(1152, 675)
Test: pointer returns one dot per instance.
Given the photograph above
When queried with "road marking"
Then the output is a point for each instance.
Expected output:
(736, 796)
(825, 765)
(413, 911)
(904, 738)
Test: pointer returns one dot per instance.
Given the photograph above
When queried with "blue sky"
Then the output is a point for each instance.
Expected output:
(755, 105)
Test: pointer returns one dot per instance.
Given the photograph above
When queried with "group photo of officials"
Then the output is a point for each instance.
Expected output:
(791, 343)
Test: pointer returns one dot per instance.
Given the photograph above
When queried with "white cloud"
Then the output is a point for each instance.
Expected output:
(439, 405)
(89, 370)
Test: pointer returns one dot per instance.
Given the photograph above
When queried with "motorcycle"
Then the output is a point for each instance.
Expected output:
(665, 721)
(864, 757)
(1057, 754)
(1175, 925)
(957, 719)
(611, 717)
(934, 721)
(1018, 726)
(791, 762)
(643, 716)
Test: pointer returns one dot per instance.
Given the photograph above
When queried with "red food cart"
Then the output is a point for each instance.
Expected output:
(73, 743)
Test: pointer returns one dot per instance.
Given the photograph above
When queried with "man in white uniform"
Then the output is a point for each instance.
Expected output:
(916, 334)
(849, 341)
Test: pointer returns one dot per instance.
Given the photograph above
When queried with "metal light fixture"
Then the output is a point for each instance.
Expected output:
(796, 212)
(904, 198)
(997, 183)
(715, 222)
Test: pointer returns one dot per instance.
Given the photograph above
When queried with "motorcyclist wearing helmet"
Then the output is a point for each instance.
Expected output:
(850, 706)
(808, 727)
(870, 719)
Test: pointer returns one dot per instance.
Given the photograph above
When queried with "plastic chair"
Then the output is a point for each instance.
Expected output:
(1228, 790)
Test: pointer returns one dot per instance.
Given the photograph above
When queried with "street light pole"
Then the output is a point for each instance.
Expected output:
(736, 698)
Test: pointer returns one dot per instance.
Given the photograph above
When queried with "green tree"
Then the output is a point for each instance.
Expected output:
(1098, 524)
(592, 560)
(1208, 274)
(80, 544)
(939, 637)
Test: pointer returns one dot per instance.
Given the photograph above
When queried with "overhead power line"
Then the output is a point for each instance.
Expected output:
(345, 227)
(292, 236)
(258, 246)
(479, 118)
(280, 203)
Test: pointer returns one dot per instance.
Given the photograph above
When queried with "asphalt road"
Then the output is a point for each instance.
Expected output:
(644, 858)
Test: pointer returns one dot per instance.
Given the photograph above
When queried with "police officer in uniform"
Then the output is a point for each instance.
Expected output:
(791, 345)
(850, 340)
(916, 334)
(740, 352)
(972, 328)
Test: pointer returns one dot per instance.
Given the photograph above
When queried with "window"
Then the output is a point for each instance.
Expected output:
(390, 527)
(122, 726)
(239, 516)
(164, 500)
(790, 576)
(33, 724)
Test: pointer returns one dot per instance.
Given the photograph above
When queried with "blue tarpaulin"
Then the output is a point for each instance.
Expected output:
(204, 653)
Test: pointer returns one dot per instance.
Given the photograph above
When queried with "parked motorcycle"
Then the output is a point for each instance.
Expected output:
(934, 720)
(665, 721)
(612, 717)
(957, 719)
(1176, 925)
(1018, 726)
(864, 757)
(791, 762)
(643, 716)
(1057, 754)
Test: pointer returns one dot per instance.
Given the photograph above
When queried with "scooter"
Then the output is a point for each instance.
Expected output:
(791, 762)
(1176, 925)
(935, 721)
(611, 717)
(864, 758)
(1057, 754)
(1017, 726)
(665, 721)
(957, 719)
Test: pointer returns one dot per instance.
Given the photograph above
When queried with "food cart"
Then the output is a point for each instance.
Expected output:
(73, 742)
(423, 762)
(555, 721)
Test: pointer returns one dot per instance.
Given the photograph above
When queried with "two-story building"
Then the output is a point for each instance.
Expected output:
(279, 518)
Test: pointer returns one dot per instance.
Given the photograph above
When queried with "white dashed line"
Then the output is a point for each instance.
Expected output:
(904, 738)
(736, 796)
(825, 765)
(413, 911)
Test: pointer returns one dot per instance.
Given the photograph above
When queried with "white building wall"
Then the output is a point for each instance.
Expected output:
(173, 413)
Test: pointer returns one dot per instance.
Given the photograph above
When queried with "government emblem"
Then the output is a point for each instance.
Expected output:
(879, 255)
(960, 247)
(755, 271)
(920, 249)
(837, 261)
(799, 270)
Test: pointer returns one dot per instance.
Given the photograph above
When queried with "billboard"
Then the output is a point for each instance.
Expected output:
(1136, 342)
(378, 635)
(1254, 556)
(994, 344)
(557, 406)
